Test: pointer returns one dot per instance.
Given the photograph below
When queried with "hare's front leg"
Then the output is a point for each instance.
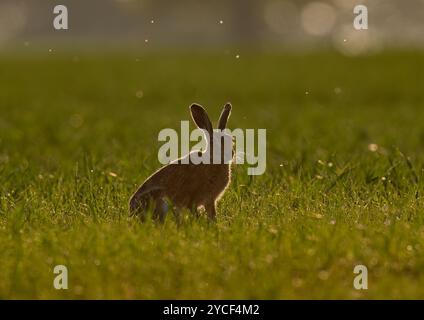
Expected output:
(178, 214)
(211, 211)
(161, 209)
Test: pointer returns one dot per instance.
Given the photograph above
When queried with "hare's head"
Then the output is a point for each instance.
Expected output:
(220, 143)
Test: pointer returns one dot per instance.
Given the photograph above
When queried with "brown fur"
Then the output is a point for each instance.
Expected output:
(186, 185)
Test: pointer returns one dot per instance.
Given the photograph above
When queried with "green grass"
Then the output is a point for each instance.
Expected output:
(325, 204)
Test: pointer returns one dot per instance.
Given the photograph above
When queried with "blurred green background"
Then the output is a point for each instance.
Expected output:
(80, 111)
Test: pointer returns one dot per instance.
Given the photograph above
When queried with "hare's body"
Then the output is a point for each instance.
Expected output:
(184, 184)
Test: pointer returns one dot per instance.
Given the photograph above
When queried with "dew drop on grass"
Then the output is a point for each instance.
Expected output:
(273, 230)
(323, 275)
(297, 282)
(372, 147)
(139, 94)
(269, 258)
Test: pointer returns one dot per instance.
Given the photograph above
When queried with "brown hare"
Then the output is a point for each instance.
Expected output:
(189, 185)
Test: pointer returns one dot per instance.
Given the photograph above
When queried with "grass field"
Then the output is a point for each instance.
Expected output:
(79, 133)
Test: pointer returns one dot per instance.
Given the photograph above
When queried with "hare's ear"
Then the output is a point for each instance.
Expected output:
(225, 114)
(201, 118)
